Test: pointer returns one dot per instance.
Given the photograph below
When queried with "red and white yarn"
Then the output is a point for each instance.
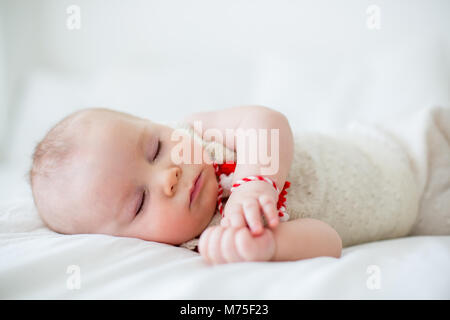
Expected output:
(254, 178)
(224, 173)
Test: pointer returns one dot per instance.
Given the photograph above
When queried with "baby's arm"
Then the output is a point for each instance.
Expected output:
(292, 240)
(231, 123)
(305, 238)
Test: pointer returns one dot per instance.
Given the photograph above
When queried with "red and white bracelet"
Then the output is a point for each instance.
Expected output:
(225, 171)
(254, 178)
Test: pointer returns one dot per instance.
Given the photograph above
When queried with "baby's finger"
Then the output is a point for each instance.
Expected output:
(214, 247)
(203, 243)
(234, 217)
(269, 207)
(229, 250)
(250, 248)
(237, 220)
(245, 244)
(252, 212)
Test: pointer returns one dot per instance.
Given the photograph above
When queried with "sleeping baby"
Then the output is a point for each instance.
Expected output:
(238, 184)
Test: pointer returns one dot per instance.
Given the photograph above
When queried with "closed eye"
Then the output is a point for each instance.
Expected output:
(141, 205)
(157, 150)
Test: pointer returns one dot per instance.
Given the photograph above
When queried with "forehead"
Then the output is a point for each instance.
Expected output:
(111, 139)
(108, 126)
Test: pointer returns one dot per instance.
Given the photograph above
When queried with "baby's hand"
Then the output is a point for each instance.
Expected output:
(223, 245)
(248, 203)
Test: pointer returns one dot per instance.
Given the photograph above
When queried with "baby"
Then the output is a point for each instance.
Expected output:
(103, 171)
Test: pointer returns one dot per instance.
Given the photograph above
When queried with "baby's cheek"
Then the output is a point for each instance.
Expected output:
(210, 196)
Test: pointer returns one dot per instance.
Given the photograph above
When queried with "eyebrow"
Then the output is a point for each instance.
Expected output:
(140, 141)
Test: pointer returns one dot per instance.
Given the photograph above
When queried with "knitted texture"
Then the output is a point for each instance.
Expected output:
(360, 185)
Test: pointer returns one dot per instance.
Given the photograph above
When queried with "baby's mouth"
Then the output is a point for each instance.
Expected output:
(196, 187)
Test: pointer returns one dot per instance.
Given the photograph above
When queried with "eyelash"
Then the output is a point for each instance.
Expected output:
(157, 150)
(141, 204)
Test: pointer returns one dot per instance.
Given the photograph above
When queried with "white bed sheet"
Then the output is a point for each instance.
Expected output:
(34, 264)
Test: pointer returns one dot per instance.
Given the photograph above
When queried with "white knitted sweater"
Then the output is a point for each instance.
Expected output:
(363, 181)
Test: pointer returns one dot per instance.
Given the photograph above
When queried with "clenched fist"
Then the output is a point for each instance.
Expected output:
(228, 244)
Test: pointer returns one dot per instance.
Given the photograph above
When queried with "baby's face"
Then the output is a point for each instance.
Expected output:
(128, 185)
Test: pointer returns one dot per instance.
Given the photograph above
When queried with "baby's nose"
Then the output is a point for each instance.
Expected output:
(172, 180)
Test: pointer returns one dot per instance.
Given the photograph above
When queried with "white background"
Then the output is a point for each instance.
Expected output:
(316, 61)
